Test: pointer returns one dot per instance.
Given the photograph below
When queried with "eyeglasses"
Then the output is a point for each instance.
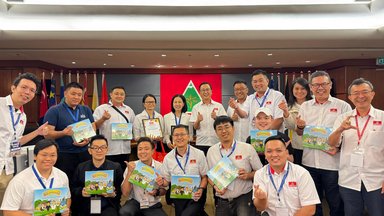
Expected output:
(317, 85)
(100, 148)
(224, 128)
(179, 135)
(240, 89)
(150, 102)
(26, 88)
(364, 93)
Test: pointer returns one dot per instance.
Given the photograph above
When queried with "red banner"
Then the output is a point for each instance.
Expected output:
(171, 84)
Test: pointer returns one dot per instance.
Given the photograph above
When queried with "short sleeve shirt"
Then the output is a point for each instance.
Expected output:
(138, 128)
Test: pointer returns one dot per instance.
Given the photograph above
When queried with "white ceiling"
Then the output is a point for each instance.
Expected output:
(190, 36)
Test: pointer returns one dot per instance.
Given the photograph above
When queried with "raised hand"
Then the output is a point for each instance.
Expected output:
(43, 129)
(199, 117)
(213, 114)
(346, 124)
(284, 106)
(235, 117)
(68, 131)
(242, 174)
(258, 193)
(159, 180)
(232, 103)
(106, 115)
(300, 123)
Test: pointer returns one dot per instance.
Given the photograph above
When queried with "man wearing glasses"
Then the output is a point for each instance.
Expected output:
(106, 204)
(322, 111)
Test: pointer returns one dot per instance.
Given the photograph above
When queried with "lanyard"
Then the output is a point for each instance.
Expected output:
(39, 178)
(186, 160)
(75, 118)
(264, 98)
(149, 117)
(233, 149)
(360, 135)
(282, 181)
(177, 123)
(14, 124)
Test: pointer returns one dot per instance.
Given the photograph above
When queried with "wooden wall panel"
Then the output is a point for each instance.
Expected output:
(376, 77)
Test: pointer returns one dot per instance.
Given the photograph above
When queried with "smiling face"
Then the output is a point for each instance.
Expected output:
(145, 151)
(180, 137)
(241, 91)
(149, 104)
(23, 92)
(263, 121)
(299, 92)
(361, 96)
(98, 149)
(321, 88)
(117, 96)
(225, 132)
(260, 83)
(46, 158)
(205, 92)
(178, 104)
(276, 154)
(73, 96)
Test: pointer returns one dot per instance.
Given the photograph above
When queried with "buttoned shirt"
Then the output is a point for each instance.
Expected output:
(196, 164)
(241, 125)
(315, 114)
(372, 172)
(7, 132)
(19, 193)
(206, 135)
(138, 128)
(244, 156)
(170, 120)
(138, 193)
(298, 190)
(115, 146)
(290, 124)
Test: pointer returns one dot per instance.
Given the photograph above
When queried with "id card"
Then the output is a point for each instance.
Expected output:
(144, 202)
(95, 205)
(357, 159)
(15, 147)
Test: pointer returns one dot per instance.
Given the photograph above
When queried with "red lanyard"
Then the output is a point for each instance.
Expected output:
(360, 135)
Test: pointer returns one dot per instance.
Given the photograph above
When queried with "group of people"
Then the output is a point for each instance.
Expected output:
(285, 179)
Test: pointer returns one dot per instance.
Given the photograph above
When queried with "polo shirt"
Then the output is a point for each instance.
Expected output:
(116, 147)
(244, 156)
(139, 193)
(298, 190)
(325, 114)
(372, 172)
(196, 165)
(206, 135)
(6, 132)
(241, 125)
(19, 193)
(170, 120)
(59, 117)
(138, 128)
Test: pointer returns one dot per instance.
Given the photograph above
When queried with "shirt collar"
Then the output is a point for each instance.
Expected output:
(9, 102)
(371, 112)
(285, 169)
(38, 173)
(66, 105)
(330, 100)
(122, 105)
(221, 147)
(257, 95)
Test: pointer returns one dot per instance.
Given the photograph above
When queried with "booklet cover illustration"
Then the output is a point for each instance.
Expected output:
(99, 182)
(316, 137)
(183, 186)
(144, 176)
(82, 130)
(223, 173)
(50, 201)
(258, 137)
(121, 131)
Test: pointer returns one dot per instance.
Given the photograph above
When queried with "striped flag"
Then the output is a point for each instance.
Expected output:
(85, 95)
(61, 87)
(52, 92)
(95, 96)
(104, 93)
(43, 100)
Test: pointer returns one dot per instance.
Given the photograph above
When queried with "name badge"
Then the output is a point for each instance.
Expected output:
(15, 147)
(144, 202)
(357, 158)
(95, 205)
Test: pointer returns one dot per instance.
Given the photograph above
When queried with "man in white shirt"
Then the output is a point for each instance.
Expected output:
(360, 134)
(203, 116)
(18, 199)
(241, 124)
(282, 188)
(14, 120)
(115, 112)
(323, 167)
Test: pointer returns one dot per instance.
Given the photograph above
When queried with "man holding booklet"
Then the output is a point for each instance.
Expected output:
(234, 198)
(142, 183)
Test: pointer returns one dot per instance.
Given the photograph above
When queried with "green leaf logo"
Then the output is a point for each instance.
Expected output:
(192, 95)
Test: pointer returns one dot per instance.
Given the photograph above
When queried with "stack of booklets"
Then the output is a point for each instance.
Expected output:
(121, 131)
(99, 182)
(223, 173)
(50, 201)
(316, 137)
(183, 186)
(258, 137)
(144, 176)
(82, 130)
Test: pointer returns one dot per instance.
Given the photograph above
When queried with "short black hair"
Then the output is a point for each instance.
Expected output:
(222, 120)
(359, 81)
(275, 137)
(73, 85)
(205, 83)
(27, 76)
(118, 87)
(185, 107)
(98, 137)
(43, 144)
(319, 73)
(180, 126)
(239, 82)
(258, 72)
(149, 95)
(146, 139)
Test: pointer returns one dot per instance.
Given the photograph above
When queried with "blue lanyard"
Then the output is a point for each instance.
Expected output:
(177, 123)
(233, 149)
(282, 181)
(186, 160)
(14, 124)
(75, 118)
(264, 98)
(149, 117)
(39, 178)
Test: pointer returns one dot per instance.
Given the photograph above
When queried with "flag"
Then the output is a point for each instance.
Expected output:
(52, 92)
(77, 77)
(271, 82)
(278, 82)
(85, 95)
(43, 101)
(286, 90)
(104, 93)
(69, 77)
(301, 74)
(95, 96)
(61, 86)
(309, 75)
(293, 76)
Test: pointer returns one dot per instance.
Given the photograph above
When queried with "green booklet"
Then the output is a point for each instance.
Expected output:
(316, 137)
(121, 131)
(183, 186)
(144, 176)
(50, 201)
(258, 137)
(99, 182)
(82, 130)
(223, 173)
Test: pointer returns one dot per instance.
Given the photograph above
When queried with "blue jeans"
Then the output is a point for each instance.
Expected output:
(354, 201)
(327, 180)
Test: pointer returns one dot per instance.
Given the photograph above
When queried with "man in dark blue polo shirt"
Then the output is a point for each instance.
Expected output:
(59, 117)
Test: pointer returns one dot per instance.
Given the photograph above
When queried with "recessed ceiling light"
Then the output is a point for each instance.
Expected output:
(132, 65)
(158, 66)
(250, 65)
(277, 63)
(269, 54)
(206, 66)
(190, 66)
(110, 54)
(307, 61)
(174, 66)
(222, 66)
(73, 62)
(163, 55)
(216, 55)
(105, 64)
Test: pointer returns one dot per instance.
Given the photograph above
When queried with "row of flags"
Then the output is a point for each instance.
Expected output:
(48, 95)
(275, 81)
